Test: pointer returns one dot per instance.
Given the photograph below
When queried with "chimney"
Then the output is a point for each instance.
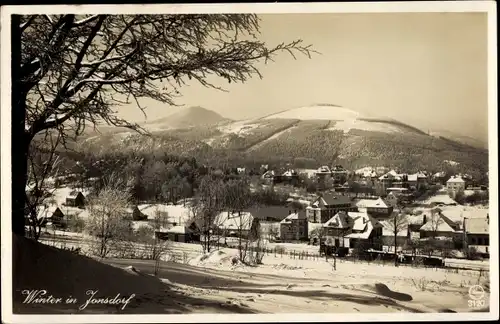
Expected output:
(289, 212)
(295, 211)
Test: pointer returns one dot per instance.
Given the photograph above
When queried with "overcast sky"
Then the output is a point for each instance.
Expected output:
(425, 69)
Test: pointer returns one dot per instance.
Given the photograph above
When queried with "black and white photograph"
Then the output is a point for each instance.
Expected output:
(247, 162)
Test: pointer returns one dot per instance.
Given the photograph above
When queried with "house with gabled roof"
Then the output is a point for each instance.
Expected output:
(50, 214)
(326, 206)
(294, 227)
(75, 199)
(438, 225)
(454, 185)
(231, 223)
(366, 231)
(378, 208)
(477, 234)
(337, 228)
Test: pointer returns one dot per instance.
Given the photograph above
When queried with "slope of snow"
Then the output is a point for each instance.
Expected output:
(318, 112)
(240, 127)
(347, 125)
(345, 119)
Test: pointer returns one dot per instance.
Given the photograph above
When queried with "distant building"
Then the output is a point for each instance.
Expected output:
(339, 174)
(294, 227)
(455, 185)
(439, 177)
(325, 207)
(75, 199)
(51, 214)
(268, 176)
(377, 208)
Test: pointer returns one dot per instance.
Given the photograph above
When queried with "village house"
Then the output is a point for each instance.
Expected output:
(339, 174)
(290, 177)
(417, 181)
(268, 175)
(179, 233)
(439, 177)
(377, 208)
(366, 231)
(325, 207)
(454, 185)
(438, 225)
(477, 234)
(415, 222)
(294, 227)
(337, 228)
(391, 179)
(75, 199)
(236, 224)
(52, 215)
(402, 236)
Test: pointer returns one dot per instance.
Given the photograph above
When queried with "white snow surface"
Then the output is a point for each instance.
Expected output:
(345, 119)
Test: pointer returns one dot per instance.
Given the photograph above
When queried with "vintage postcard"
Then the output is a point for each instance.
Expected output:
(249, 162)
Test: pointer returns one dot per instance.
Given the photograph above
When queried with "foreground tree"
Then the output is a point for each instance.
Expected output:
(69, 71)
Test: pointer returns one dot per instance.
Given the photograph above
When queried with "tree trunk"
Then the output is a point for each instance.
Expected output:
(20, 140)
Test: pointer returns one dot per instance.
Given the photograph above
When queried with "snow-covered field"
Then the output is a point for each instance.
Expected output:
(213, 283)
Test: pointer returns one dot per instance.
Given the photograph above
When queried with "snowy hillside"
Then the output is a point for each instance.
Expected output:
(345, 119)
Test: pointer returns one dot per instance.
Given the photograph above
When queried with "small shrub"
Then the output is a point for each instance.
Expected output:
(421, 283)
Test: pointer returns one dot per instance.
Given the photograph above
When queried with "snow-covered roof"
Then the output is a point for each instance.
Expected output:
(47, 212)
(371, 203)
(477, 226)
(440, 199)
(339, 220)
(390, 175)
(388, 229)
(179, 229)
(439, 174)
(331, 200)
(293, 216)
(323, 169)
(456, 179)
(268, 174)
(289, 173)
(439, 223)
(234, 221)
(363, 221)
